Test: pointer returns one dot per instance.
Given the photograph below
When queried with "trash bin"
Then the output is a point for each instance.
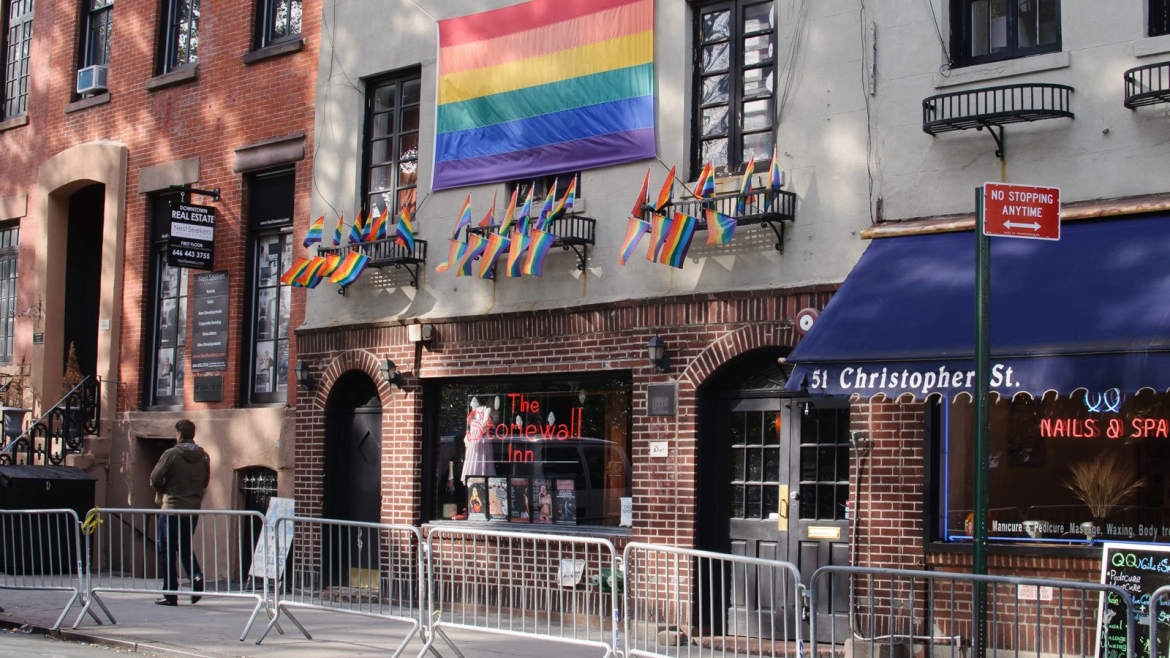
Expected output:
(43, 544)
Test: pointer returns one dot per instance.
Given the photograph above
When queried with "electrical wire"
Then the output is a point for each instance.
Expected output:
(942, 42)
(865, 87)
(790, 62)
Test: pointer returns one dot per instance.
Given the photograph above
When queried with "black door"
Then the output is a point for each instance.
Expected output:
(353, 476)
(819, 433)
(761, 602)
(83, 276)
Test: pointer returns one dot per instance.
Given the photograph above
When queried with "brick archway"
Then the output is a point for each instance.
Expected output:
(733, 344)
(361, 360)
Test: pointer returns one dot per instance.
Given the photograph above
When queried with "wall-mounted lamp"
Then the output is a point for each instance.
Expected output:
(390, 372)
(305, 376)
(656, 350)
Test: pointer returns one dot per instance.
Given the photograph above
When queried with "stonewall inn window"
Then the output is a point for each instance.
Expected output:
(270, 208)
(538, 452)
(1067, 470)
(734, 85)
(169, 313)
(391, 143)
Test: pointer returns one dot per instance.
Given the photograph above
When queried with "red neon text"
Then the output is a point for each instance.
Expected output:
(1091, 428)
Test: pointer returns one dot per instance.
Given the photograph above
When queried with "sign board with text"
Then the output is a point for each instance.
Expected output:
(192, 237)
(1021, 211)
(1139, 570)
(210, 331)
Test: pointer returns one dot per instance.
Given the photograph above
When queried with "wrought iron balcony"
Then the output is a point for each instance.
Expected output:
(995, 107)
(767, 206)
(1147, 85)
(385, 253)
(59, 431)
(573, 231)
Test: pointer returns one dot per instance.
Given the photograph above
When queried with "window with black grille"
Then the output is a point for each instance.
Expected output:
(391, 144)
(257, 487)
(18, 30)
(993, 30)
(735, 88)
(824, 463)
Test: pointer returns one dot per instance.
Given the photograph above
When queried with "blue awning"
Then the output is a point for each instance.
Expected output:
(1091, 311)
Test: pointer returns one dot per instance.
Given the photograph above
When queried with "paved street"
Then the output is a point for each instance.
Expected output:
(19, 645)
(212, 629)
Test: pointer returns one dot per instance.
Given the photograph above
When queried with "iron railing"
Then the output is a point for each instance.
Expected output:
(767, 206)
(60, 430)
(1147, 85)
(386, 253)
(573, 231)
(995, 107)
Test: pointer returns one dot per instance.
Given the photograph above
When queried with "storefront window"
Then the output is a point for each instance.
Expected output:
(552, 452)
(1064, 470)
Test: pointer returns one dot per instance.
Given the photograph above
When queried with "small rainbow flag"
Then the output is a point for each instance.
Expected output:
(404, 232)
(526, 210)
(496, 244)
(330, 266)
(337, 231)
(464, 218)
(510, 214)
(720, 227)
(315, 231)
(475, 247)
(516, 253)
(745, 186)
(667, 192)
(637, 211)
(489, 220)
(537, 250)
(355, 229)
(455, 250)
(367, 228)
(350, 269)
(309, 276)
(678, 240)
(635, 229)
(290, 275)
(566, 202)
(378, 230)
(774, 172)
(546, 209)
(659, 226)
(705, 187)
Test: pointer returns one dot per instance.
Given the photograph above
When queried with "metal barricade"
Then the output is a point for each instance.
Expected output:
(551, 587)
(145, 551)
(1152, 619)
(41, 550)
(680, 602)
(368, 569)
(906, 612)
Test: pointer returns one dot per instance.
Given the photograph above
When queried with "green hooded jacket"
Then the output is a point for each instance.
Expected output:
(181, 476)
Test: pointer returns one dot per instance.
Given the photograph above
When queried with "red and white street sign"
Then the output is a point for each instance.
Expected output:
(1021, 211)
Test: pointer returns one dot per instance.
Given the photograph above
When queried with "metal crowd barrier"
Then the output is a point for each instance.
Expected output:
(682, 602)
(368, 569)
(551, 587)
(41, 550)
(128, 553)
(1153, 620)
(895, 612)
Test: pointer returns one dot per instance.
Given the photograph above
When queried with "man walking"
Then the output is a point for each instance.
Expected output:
(180, 477)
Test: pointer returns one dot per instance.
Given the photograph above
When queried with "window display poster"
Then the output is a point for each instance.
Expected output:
(210, 330)
(519, 510)
(497, 499)
(477, 499)
(542, 492)
(1139, 570)
(566, 503)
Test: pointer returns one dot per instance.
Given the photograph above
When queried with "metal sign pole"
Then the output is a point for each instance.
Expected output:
(982, 419)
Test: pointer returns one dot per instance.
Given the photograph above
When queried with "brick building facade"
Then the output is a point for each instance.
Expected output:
(233, 106)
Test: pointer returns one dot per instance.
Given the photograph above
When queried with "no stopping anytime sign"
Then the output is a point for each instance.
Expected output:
(192, 236)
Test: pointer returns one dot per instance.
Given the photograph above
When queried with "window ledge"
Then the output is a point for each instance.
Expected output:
(1151, 46)
(92, 101)
(604, 532)
(14, 122)
(275, 50)
(1004, 69)
(1022, 548)
(178, 76)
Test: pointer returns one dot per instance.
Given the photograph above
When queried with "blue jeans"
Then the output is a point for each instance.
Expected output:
(174, 539)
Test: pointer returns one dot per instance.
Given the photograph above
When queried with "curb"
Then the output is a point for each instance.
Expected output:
(109, 642)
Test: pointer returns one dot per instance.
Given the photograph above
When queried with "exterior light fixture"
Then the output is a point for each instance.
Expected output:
(305, 376)
(390, 372)
(656, 350)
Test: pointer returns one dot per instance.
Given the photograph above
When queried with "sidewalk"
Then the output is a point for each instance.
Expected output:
(212, 629)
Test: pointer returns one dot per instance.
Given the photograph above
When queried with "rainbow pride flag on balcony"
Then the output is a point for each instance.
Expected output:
(544, 87)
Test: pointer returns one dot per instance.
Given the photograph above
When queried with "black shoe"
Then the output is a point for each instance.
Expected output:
(171, 601)
(196, 586)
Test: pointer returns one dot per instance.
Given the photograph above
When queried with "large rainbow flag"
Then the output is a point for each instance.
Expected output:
(544, 87)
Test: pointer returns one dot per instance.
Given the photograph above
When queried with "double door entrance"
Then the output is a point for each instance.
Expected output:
(783, 468)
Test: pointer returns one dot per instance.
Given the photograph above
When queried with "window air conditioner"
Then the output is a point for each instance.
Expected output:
(93, 79)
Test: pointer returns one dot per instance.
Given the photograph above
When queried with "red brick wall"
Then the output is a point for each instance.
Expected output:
(701, 332)
(229, 106)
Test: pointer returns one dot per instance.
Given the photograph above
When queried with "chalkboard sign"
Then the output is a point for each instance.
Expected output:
(1139, 570)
